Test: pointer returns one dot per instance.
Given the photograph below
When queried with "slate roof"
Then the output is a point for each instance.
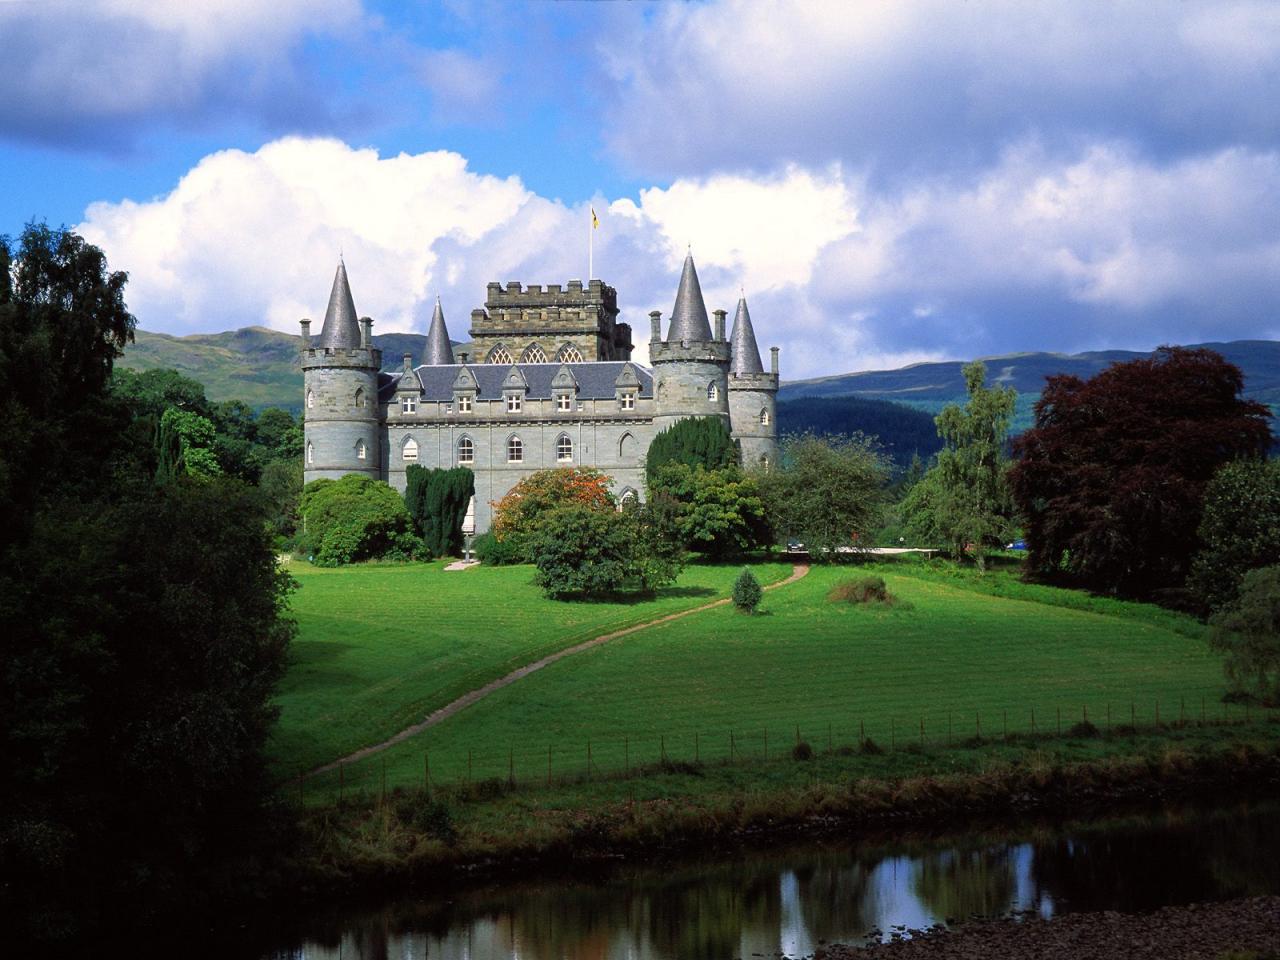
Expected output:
(341, 327)
(595, 379)
(745, 354)
(689, 315)
(439, 350)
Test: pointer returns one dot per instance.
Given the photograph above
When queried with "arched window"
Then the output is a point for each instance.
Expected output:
(712, 392)
(764, 417)
(362, 452)
(359, 398)
(568, 353)
(500, 354)
(564, 448)
(627, 496)
(764, 461)
(515, 450)
(533, 354)
(311, 399)
(466, 450)
(627, 448)
(409, 452)
(311, 453)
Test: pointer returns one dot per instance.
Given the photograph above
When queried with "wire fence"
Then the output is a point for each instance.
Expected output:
(453, 768)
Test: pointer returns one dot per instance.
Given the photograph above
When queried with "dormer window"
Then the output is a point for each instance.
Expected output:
(564, 403)
(408, 404)
(515, 403)
(464, 404)
(627, 400)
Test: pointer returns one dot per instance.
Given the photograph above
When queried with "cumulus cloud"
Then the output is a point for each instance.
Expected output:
(99, 71)
(1034, 252)
(913, 89)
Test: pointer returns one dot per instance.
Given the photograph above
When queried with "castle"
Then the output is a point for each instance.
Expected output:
(547, 381)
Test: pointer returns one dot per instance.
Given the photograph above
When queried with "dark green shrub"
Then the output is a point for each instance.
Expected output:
(1240, 529)
(437, 501)
(493, 552)
(1084, 730)
(580, 551)
(870, 748)
(356, 518)
(747, 592)
(694, 442)
(429, 815)
(1247, 633)
(860, 590)
(802, 751)
(718, 512)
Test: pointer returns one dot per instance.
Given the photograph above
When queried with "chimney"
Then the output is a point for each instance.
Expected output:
(463, 358)
(408, 362)
(366, 336)
(306, 334)
(719, 315)
(773, 360)
(655, 326)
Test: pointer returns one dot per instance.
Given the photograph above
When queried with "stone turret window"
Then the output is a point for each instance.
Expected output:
(564, 448)
(409, 452)
(359, 398)
(713, 392)
(466, 451)
(764, 417)
(569, 354)
(533, 354)
(500, 354)
(627, 400)
(311, 450)
(515, 450)
(362, 452)
(311, 399)
(408, 404)
(764, 461)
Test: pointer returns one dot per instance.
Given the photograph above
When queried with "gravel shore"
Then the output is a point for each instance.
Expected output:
(1201, 931)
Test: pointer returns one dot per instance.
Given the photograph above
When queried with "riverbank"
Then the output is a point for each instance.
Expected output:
(1246, 929)
(488, 830)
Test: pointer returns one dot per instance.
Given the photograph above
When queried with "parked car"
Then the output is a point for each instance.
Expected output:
(1016, 545)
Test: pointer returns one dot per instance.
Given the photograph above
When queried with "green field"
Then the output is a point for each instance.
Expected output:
(956, 654)
(381, 646)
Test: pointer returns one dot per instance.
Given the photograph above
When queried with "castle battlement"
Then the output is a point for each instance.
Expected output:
(596, 294)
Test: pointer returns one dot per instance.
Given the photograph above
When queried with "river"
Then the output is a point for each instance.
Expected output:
(788, 900)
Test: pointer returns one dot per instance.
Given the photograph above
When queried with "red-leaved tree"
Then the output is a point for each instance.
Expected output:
(1110, 481)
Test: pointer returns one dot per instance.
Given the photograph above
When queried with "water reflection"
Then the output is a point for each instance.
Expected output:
(789, 901)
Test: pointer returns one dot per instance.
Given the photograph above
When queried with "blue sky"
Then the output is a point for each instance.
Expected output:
(888, 182)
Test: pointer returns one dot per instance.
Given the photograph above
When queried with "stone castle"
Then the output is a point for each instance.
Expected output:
(546, 381)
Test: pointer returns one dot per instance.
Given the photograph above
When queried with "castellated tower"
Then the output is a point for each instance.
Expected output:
(752, 395)
(691, 367)
(340, 403)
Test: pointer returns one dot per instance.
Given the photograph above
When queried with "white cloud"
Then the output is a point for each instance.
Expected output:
(1104, 249)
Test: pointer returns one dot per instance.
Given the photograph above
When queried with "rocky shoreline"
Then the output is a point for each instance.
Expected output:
(1246, 928)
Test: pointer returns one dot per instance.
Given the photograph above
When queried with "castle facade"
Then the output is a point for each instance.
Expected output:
(546, 381)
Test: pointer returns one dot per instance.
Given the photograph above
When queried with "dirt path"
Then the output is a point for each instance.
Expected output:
(798, 570)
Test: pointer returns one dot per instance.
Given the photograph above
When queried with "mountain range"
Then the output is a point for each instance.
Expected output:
(259, 366)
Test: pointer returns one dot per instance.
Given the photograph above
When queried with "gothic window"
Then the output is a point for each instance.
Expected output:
(311, 453)
(362, 452)
(408, 404)
(500, 354)
(568, 353)
(564, 402)
(464, 404)
(626, 448)
(466, 451)
(410, 450)
(515, 450)
(712, 393)
(514, 403)
(764, 461)
(628, 496)
(533, 354)
(627, 400)
(311, 399)
(359, 398)
(564, 448)
(764, 417)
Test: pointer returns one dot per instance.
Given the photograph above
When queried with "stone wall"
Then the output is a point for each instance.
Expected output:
(340, 407)
(520, 317)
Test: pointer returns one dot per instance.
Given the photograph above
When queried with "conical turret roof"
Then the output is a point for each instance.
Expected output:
(689, 315)
(743, 352)
(438, 351)
(341, 327)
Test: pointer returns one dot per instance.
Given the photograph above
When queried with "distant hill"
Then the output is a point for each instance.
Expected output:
(903, 431)
(253, 364)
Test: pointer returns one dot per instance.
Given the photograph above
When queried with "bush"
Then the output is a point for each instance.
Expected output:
(517, 516)
(493, 552)
(437, 501)
(860, 590)
(717, 511)
(747, 592)
(802, 751)
(356, 518)
(1240, 529)
(1247, 633)
(585, 552)
(694, 442)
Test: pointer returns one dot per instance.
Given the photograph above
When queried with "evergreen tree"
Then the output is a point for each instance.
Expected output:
(696, 442)
(437, 501)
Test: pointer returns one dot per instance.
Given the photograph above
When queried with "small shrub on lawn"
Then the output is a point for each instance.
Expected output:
(747, 592)
(428, 815)
(493, 552)
(1084, 730)
(870, 748)
(802, 751)
(869, 590)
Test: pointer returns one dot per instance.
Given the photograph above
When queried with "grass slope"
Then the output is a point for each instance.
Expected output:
(380, 647)
(955, 655)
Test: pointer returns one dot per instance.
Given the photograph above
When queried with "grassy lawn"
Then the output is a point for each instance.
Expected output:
(955, 653)
(379, 647)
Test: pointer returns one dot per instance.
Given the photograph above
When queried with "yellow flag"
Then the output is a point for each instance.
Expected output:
(595, 221)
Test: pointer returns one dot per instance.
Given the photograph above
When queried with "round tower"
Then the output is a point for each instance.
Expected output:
(753, 395)
(340, 391)
(690, 368)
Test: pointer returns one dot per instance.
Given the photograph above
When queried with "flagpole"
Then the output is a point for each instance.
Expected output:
(591, 231)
